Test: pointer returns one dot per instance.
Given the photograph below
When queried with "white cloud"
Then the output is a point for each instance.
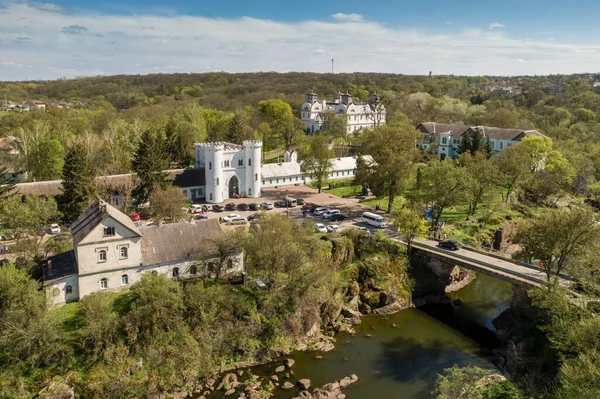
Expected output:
(495, 25)
(340, 16)
(109, 44)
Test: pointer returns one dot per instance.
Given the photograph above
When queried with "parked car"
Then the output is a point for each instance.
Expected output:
(207, 208)
(251, 217)
(320, 228)
(336, 217)
(367, 231)
(330, 213)
(201, 217)
(280, 204)
(135, 217)
(267, 206)
(195, 208)
(230, 206)
(238, 220)
(320, 210)
(230, 217)
(300, 201)
(449, 244)
(218, 208)
(54, 228)
(243, 207)
(254, 206)
(332, 228)
(313, 207)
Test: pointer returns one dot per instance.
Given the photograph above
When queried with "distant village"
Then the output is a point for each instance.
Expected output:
(10, 106)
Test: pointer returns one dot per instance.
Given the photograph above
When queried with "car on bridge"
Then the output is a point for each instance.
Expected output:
(449, 244)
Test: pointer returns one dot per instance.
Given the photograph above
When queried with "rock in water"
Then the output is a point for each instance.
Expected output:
(289, 363)
(304, 383)
(287, 385)
(280, 369)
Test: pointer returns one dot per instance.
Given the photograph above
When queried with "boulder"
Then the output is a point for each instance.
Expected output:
(304, 383)
(344, 382)
(289, 363)
(274, 378)
(287, 386)
(364, 308)
(228, 382)
(332, 386)
(354, 302)
(370, 298)
(279, 369)
(230, 392)
(347, 312)
(305, 395)
(353, 289)
(391, 308)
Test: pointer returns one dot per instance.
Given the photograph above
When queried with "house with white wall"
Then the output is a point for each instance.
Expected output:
(445, 139)
(358, 115)
(110, 253)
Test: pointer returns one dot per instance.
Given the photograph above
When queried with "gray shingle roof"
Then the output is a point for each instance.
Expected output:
(488, 131)
(176, 241)
(59, 266)
(94, 215)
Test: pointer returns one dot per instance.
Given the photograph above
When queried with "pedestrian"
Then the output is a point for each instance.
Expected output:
(445, 236)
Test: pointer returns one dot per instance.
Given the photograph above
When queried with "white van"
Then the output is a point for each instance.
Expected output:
(374, 219)
(330, 212)
(320, 210)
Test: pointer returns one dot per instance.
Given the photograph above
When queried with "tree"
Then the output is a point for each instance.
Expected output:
(444, 185)
(392, 150)
(168, 204)
(557, 238)
(470, 383)
(333, 125)
(289, 130)
(77, 184)
(275, 110)
(317, 160)
(235, 129)
(514, 162)
(410, 225)
(483, 175)
(488, 148)
(219, 249)
(6, 182)
(47, 160)
(149, 163)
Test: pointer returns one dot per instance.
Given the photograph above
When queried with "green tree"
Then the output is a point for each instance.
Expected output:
(149, 164)
(444, 185)
(47, 160)
(6, 182)
(470, 383)
(392, 150)
(488, 148)
(557, 238)
(515, 164)
(236, 129)
(289, 130)
(168, 204)
(410, 225)
(275, 110)
(78, 184)
(483, 175)
(317, 160)
(333, 125)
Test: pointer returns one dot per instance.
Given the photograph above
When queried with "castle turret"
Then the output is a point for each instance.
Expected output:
(211, 156)
(253, 166)
(347, 98)
(337, 98)
(311, 97)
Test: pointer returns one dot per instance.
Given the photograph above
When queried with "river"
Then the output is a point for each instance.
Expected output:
(398, 357)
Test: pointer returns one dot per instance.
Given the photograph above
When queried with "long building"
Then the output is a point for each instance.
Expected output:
(445, 139)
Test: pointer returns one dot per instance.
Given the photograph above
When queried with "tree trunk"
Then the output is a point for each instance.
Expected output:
(391, 196)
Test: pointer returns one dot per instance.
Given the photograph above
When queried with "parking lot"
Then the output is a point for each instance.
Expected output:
(349, 207)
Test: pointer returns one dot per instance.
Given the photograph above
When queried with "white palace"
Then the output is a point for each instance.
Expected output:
(359, 115)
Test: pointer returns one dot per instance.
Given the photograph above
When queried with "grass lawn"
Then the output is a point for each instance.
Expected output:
(3, 113)
(383, 202)
(345, 191)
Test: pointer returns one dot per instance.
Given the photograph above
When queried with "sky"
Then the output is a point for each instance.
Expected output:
(67, 38)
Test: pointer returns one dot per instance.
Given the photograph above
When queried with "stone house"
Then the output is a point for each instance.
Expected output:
(110, 252)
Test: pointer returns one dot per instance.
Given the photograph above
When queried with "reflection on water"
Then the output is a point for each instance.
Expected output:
(398, 357)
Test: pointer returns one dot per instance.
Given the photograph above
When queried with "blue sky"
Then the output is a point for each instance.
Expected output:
(67, 38)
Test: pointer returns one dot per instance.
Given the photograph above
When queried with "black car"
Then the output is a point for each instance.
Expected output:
(217, 208)
(336, 217)
(449, 244)
(254, 207)
(243, 207)
(230, 206)
(300, 201)
(280, 204)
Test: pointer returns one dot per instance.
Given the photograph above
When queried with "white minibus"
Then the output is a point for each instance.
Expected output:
(373, 219)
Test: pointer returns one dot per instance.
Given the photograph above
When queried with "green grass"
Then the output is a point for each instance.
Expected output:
(345, 191)
(383, 202)
(67, 316)
(3, 113)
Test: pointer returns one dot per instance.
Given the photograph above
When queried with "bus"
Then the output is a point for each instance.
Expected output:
(374, 219)
(290, 202)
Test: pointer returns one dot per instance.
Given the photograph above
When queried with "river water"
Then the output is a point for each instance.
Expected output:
(399, 357)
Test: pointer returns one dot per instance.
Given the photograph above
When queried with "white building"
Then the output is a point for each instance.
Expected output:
(110, 253)
(359, 115)
(225, 170)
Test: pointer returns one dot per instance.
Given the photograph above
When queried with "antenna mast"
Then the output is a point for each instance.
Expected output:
(332, 66)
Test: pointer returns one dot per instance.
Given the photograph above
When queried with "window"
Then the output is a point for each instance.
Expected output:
(175, 272)
(210, 166)
(210, 196)
(249, 162)
(270, 181)
(103, 283)
(501, 145)
(249, 191)
(444, 140)
(217, 181)
(229, 264)
(68, 289)
(124, 252)
(256, 177)
(124, 279)
(240, 162)
(102, 256)
(226, 163)
(109, 231)
(194, 269)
